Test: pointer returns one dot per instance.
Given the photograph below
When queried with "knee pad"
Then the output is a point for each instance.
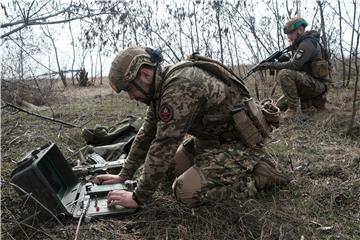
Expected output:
(188, 186)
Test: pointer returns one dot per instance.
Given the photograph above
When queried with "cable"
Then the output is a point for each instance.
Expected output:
(86, 205)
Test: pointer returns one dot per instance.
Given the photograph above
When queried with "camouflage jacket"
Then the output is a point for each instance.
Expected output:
(188, 101)
(306, 50)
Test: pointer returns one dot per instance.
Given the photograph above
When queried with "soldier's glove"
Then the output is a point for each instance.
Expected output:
(284, 58)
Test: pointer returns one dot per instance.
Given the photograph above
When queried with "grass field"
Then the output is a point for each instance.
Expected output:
(322, 201)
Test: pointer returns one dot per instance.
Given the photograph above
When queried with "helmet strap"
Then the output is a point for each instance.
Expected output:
(149, 96)
(138, 87)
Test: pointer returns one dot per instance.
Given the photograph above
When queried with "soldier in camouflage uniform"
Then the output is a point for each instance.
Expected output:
(211, 165)
(304, 77)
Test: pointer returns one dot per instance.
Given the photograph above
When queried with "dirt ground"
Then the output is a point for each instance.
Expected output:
(321, 202)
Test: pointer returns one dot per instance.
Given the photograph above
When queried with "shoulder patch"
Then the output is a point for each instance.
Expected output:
(299, 54)
(166, 113)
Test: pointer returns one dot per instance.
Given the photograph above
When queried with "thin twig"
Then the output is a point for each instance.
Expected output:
(86, 122)
(37, 230)
(10, 235)
(37, 201)
(31, 216)
(43, 117)
(30, 55)
(13, 216)
(76, 152)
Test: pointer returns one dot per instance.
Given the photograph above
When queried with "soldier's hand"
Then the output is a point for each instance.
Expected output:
(263, 66)
(122, 198)
(108, 179)
(284, 58)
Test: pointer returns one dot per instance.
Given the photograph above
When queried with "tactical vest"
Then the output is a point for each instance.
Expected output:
(253, 121)
(319, 66)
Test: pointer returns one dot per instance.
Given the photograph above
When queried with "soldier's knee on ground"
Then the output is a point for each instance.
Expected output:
(187, 187)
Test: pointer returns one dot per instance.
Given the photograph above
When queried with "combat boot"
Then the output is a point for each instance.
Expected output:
(294, 110)
(319, 102)
(267, 177)
(306, 104)
(281, 103)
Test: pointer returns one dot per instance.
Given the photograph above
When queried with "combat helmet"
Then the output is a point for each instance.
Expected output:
(127, 63)
(294, 24)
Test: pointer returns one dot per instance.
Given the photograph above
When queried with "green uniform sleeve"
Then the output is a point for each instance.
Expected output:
(140, 145)
(179, 105)
(302, 55)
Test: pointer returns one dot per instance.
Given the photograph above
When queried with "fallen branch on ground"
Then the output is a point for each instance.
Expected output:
(40, 116)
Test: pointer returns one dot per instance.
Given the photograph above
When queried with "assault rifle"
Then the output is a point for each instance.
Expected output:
(100, 164)
(275, 56)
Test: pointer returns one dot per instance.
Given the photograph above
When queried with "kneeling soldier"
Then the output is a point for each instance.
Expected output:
(304, 77)
(185, 99)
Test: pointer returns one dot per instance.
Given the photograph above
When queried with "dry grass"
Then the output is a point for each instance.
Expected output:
(322, 201)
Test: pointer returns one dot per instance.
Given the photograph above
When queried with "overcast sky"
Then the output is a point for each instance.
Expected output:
(63, 40)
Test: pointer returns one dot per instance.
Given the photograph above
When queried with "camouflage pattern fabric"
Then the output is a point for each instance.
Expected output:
(103, 135)
(306, 50)
(296, 80)
(126, 65)
(296, 85)
(219, 173)
(189, 101)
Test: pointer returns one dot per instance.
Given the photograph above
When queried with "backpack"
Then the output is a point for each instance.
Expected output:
(211, 66)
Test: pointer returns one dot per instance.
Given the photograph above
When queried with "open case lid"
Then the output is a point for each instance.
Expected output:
(46, 174)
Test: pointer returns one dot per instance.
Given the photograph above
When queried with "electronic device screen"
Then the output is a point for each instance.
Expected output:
(47, 168)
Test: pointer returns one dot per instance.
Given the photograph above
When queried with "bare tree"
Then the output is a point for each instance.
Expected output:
(101, 65)
(324, 40)
(356, 55)
(32, 16)
(196, 26)
(351, 44)
(217, 7)
(21, 58)
(279, 20)
(47, 33)
(341, 46)
(73, 51)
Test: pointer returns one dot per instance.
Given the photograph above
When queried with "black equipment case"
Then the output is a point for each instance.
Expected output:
(46, 174)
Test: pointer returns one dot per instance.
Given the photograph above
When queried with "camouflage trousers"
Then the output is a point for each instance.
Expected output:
(217, 173)
(298, 85)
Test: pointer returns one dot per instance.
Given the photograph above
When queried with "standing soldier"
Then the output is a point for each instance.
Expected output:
(304, 77)
(186, 99)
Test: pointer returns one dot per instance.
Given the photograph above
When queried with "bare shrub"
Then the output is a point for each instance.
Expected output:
(32, 91)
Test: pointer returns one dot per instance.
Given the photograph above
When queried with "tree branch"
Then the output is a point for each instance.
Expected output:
(4, 25)
(40, 116)
(41, 20)
(30, 55)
